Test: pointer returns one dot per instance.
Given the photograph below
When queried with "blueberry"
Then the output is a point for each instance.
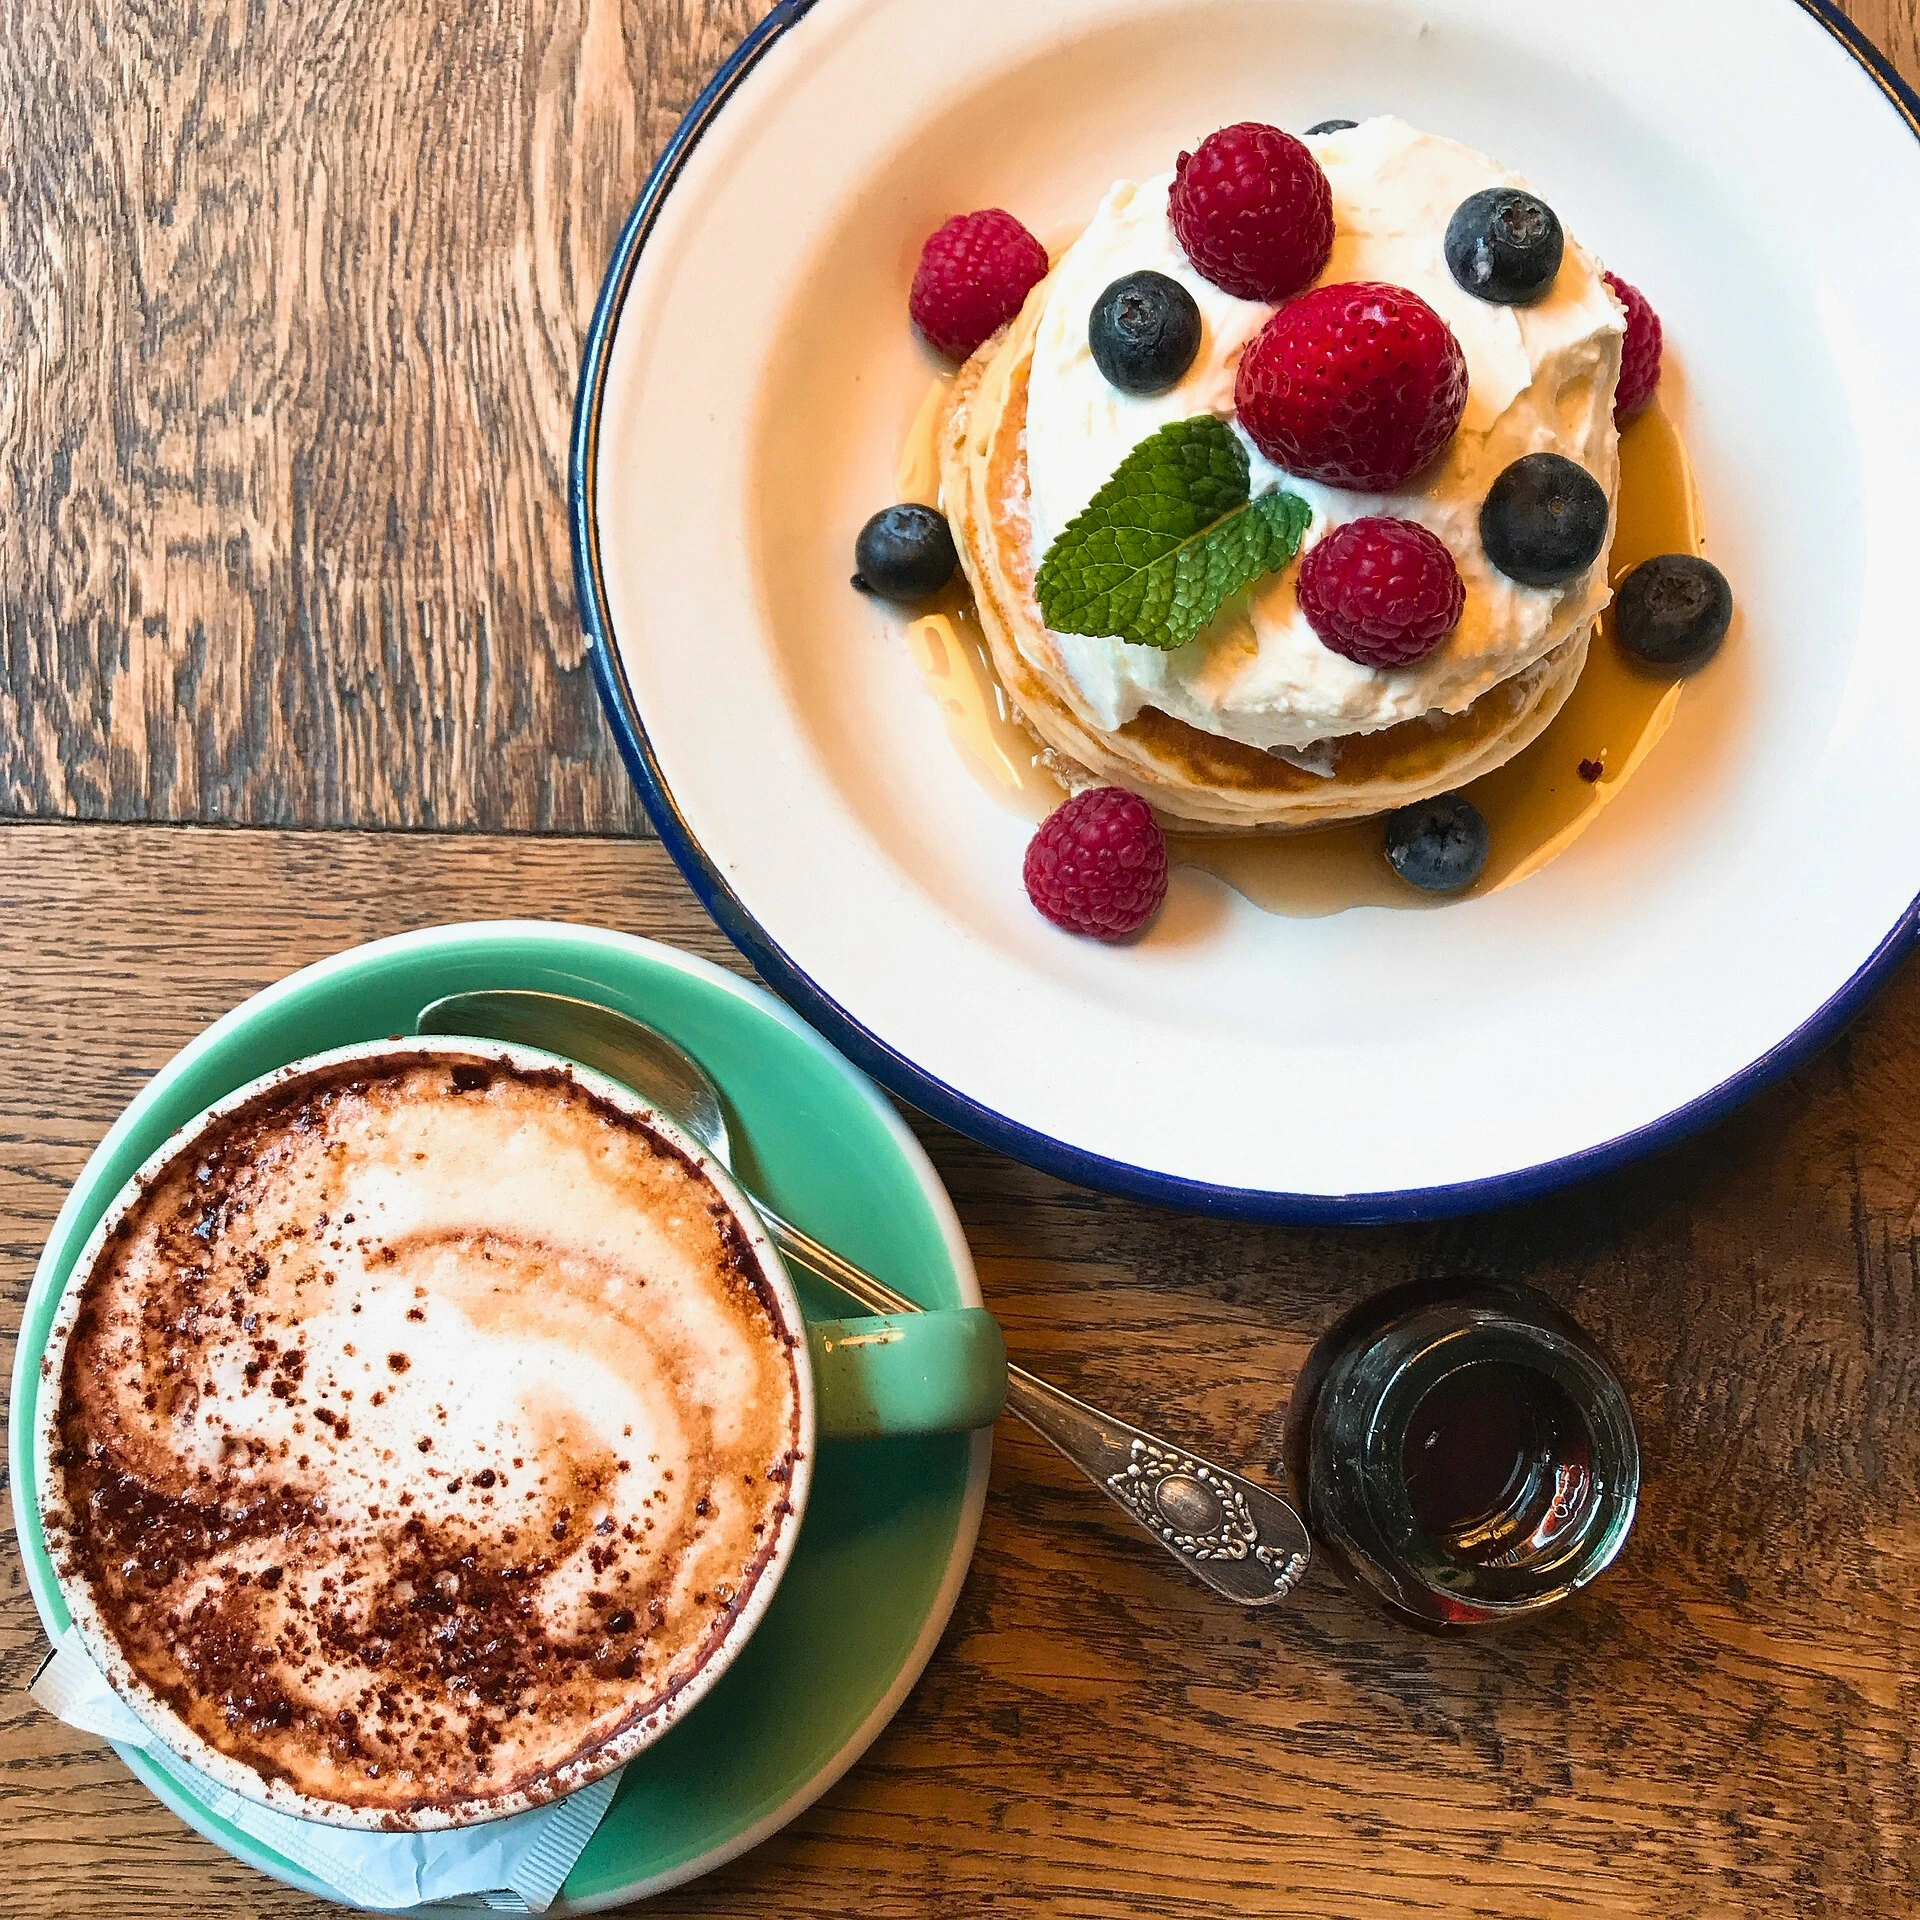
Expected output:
(1544, 520)
(904, 553)
(1440, 845)
(1504, 246)
(1143, 332)
(1331, 126)
(1673, 611)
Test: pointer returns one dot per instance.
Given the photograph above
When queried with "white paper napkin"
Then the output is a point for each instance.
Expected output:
(514, 1865)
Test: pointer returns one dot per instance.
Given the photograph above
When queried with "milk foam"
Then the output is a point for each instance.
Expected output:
(484, 1369)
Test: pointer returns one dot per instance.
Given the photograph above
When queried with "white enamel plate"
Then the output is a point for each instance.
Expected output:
(750, 378)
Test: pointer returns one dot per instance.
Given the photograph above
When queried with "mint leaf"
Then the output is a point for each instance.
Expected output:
(1168, 540)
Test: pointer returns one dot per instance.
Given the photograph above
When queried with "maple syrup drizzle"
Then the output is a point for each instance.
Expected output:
(1536, 805)
(955, 661)
(917, 478)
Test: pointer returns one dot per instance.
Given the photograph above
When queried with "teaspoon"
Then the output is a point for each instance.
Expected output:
(1239, 1538)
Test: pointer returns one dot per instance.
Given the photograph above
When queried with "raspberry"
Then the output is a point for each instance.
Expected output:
(1357, 384)
(972, 277)
(1253, 211)
(1382, 592)
(1098, 865)
(1640, 356)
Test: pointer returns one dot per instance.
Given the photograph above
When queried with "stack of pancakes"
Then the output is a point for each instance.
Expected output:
(1195, 779)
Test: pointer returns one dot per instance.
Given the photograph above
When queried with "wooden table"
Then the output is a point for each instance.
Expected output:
(291, 301)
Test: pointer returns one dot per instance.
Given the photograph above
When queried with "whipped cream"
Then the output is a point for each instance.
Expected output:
(1541, 379)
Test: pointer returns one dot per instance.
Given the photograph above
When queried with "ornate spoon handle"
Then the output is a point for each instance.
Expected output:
(1240, 1539)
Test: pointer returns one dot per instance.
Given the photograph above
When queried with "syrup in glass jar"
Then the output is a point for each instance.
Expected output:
(1464, 1452)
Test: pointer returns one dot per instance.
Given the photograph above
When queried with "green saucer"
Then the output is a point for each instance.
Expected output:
(890, 1526)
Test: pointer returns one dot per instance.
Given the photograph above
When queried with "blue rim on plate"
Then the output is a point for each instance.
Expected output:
(901, 1075)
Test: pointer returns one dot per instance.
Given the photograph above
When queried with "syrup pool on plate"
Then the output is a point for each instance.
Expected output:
(1536, 805)
(955, 663)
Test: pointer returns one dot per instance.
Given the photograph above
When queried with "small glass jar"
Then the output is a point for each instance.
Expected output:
(1464, 1452)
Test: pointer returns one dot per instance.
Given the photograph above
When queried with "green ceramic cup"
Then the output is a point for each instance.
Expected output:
(885, 1541)
(940, 1371)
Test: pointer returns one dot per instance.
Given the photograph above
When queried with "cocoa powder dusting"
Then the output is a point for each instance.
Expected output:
(391, 1624)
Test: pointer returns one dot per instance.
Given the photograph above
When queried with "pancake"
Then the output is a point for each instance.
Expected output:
(1192, 778)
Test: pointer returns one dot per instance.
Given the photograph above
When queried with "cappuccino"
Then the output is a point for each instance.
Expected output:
(424, 1424)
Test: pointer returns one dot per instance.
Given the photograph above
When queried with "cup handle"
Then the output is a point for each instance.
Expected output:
(939, 1372)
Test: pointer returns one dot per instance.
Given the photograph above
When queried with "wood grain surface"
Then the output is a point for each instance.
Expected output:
(1724, 1726)
(292, 294)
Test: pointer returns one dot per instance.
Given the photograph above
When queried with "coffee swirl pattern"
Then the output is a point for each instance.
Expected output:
(420, 1427)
